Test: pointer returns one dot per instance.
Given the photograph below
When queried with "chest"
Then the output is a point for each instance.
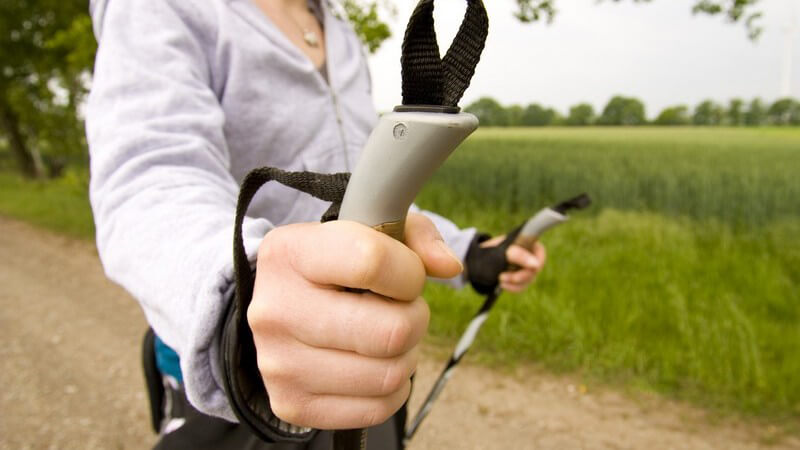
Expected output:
(281, 112)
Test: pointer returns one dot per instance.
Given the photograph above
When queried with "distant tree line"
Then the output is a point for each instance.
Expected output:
(628, 111)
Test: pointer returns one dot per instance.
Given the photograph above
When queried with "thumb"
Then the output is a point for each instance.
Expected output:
(424, 239)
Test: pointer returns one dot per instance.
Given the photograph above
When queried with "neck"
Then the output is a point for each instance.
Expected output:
(291, 4)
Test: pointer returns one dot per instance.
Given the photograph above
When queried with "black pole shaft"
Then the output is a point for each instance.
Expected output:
(464, 343)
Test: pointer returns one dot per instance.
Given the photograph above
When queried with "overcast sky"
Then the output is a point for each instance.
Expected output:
(658, 52)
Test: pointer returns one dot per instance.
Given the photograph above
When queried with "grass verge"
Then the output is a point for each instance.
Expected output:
(60, 205)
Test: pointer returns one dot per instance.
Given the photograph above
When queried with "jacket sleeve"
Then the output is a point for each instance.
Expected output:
(457, 239)
(161, 191)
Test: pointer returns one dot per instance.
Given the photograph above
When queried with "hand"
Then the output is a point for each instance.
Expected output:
(529, 262)
(333, 359)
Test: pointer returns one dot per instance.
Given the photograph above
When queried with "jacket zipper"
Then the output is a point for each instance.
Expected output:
(339, 121)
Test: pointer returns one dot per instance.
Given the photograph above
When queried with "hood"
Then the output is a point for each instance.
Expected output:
(97, 9)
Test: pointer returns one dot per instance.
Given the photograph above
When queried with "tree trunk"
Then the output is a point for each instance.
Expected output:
(30, 165)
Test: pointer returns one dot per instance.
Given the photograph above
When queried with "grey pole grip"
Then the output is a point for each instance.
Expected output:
(401, 154)
(538, 224)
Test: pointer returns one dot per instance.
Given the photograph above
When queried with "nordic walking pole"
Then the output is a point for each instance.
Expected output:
(404, 150)
(409, 144)
(525, 236)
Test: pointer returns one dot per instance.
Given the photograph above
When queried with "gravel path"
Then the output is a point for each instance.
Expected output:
(69, 367)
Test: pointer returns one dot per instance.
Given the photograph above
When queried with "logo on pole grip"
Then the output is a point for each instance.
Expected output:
(400, 131)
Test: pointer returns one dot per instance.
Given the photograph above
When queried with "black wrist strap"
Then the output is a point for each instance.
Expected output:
(429, 79)
(243, 385)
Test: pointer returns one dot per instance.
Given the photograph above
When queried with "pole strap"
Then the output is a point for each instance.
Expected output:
(429, 79)
(243, 385)
(327, 187)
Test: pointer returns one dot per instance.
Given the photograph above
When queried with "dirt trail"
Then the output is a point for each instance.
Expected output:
(70, 376)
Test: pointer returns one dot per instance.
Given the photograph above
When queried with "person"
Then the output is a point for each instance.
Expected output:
(187, 97)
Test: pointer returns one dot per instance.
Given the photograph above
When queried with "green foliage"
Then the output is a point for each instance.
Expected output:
(623, 111)
(515, 114)
(46, 49)
(674, 116)
(708, 113)
(630, 111)
(734, 10)
(61, 204)
(535, 10)
(756, 113)
(785, 111)
(538, 116)
(580, 115)
(736, 113)
(489, 112)
(368, 24)
(683, 277)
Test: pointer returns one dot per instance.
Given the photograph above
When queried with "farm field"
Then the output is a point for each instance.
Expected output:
(682, 278)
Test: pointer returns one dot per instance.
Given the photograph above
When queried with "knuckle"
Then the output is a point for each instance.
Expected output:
(270, 245)
(383, 410)
(397, 335)
(395, 376)
(271, 368)
(288, 409)
(375, 415)
(370, 255)
(262, 317)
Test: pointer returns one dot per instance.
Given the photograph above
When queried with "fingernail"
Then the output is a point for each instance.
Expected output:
(449, 251)
(533, 261)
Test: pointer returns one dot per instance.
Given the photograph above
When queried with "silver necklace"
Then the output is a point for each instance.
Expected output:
(310, 37)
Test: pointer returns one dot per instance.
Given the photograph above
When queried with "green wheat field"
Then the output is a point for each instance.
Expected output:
(683, 278)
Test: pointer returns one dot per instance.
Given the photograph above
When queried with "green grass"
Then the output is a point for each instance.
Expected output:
(60, 205)
(684, 277)
(742, 177)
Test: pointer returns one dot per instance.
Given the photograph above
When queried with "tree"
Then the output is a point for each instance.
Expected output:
(514, 114)
(46, 48)
(735, 113)
(580, 115)
(734, 10)
(366, 21)
(366, 15)
(538, 116)
(674, 116)
(785, 111)
(756, 115)
(708, 113)
(623, 111)
(489, 112)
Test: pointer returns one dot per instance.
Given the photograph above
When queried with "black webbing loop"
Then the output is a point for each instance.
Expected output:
(429, 79)
(243, 384)
(329, 188)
